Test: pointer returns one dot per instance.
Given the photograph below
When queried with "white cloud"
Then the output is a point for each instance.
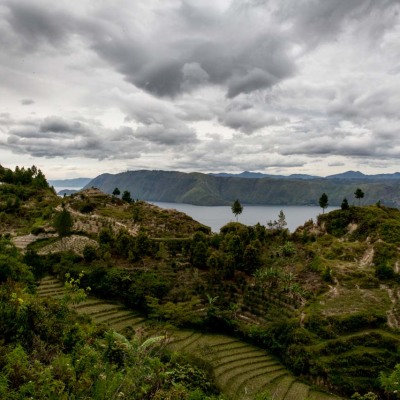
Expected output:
(286, 86)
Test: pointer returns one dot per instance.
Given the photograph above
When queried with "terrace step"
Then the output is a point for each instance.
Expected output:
(190, 342)
(278, 388)
(241, 370)
(134, 323)
(297, 391)
(249, 382)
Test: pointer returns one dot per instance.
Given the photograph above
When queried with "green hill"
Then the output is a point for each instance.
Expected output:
(202, 189)
(322, 303)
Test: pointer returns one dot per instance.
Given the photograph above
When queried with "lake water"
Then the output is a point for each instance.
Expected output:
(58, 188)
(217, 216)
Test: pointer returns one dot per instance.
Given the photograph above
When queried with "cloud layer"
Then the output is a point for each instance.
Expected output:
(276, 86)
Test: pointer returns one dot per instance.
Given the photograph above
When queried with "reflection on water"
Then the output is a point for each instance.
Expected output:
(217, 216)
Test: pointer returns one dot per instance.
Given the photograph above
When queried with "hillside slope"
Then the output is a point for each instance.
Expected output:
(202, 189)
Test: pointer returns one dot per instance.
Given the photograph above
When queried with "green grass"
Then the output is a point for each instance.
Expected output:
(317, 395)
(250, 382)
(279, 387)
(297, 391)
(135, 322)
(240, 357)
(352, 301)
(241, 370)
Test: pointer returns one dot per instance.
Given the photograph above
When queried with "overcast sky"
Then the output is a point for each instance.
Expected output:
(275, 86)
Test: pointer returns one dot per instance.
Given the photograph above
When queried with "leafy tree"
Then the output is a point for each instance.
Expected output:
(345, 204)
(126, 196)
(199, 255)
(391, 382)
(105, 237)
(63, 223)
(359, 194)
(89, 253)
(237, 208)
(142, 243)
(116, 192)
(281, 220)
(39, 179)
(323, 202)
(251, 259)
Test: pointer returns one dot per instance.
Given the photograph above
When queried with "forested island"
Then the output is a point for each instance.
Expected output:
(107, 297)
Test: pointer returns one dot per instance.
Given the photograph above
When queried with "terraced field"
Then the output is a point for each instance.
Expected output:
(240, 370)
(101, 311)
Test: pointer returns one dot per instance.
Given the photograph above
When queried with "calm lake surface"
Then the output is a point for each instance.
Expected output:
(217, 216)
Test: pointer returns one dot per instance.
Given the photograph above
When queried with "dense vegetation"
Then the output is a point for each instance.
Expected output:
(48, 351)
(324, 300)
(202, 189)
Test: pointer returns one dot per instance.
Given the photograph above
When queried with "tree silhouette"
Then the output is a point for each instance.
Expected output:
(345, 204)
(63, 223)
(281, 220)
(237, 208)
(126, 196)
(116, 192)
(359, 194)
(323, 202)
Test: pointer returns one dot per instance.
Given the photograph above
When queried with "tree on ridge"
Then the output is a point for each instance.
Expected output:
(323, 202)
(237, 208)
(345, 204)
(359, 194)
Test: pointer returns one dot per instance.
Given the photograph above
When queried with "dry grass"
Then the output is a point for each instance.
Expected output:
(75, 243)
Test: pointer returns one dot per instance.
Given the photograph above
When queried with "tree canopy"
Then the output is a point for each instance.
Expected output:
(323, 201)
(359, 194)
(126, 196)
(345, 204)
(63, 223)
(237, 208)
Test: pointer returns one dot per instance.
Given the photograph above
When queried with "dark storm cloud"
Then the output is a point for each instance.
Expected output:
(35, 24)
(187, 46)
(58, 137)
(54, 137)
(292, 80)
(59, 125)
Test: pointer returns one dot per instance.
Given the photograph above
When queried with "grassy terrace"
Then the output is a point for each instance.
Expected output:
(240, 369)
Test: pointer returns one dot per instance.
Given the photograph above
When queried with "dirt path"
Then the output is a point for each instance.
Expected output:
(393, 317)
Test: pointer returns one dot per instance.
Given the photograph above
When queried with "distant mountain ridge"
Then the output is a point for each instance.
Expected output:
(205, 189)
(343, 175)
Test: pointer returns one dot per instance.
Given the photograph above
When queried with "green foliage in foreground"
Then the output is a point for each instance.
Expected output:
(319, 299)
(47, 352)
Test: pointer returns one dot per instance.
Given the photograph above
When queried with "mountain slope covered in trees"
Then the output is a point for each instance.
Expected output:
(202, 189)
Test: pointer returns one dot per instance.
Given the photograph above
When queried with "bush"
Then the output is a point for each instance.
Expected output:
(37, 230)
(86, 208)
(89, 253)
